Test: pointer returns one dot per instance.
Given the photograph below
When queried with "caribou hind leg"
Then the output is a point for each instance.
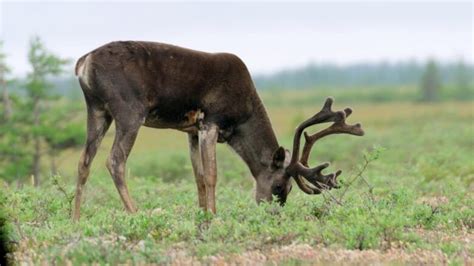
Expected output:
(126, 132)
(98, 122)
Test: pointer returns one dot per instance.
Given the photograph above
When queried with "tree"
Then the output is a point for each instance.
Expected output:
(14, 159)
(38, 92)
(42, 123)
(430, 82)
(4, 70)
(462, 80)
(60, 136)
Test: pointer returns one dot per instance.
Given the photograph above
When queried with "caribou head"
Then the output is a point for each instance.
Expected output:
(277, 178)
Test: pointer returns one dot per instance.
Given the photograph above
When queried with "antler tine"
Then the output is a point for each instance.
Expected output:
(338, 127)
(299, 168)
(315, 177)
(325, 115)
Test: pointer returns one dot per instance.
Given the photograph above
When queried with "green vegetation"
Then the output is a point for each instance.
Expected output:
(5, 233)
(414, 196)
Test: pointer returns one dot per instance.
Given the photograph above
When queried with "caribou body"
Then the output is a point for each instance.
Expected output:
(209, 96)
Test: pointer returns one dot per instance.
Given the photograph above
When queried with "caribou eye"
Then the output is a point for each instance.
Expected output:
(278, 189)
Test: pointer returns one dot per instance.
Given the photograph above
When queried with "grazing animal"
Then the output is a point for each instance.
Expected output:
(209, 96)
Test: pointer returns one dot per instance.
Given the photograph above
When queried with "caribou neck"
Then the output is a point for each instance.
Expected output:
(255, 140)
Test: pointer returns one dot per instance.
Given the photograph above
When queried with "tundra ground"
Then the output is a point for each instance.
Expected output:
(407, 197)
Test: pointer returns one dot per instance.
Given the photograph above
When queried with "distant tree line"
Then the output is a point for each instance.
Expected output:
(35, 122)
(458, 75)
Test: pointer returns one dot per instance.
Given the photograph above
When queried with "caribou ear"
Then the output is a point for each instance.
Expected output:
(279, 158)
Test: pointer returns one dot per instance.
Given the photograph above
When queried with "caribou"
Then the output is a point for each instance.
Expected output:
(209, 96)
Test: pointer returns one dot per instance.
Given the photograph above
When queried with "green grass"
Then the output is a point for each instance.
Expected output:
(415, 195)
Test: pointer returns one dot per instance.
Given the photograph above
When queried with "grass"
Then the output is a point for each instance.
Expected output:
(414, 197)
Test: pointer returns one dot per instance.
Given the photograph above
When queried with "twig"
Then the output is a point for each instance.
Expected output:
(68, 197)
(358, 175)
(325, 190)
(18, 226)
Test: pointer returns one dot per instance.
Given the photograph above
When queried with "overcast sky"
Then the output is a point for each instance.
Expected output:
(267, 36)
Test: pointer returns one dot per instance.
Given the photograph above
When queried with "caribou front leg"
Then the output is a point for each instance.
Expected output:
(197, 169)
(207, 147)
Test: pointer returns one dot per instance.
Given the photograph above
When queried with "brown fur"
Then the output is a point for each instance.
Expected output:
(165, 86)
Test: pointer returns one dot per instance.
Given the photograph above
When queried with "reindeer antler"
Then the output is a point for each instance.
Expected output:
(299, 168)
